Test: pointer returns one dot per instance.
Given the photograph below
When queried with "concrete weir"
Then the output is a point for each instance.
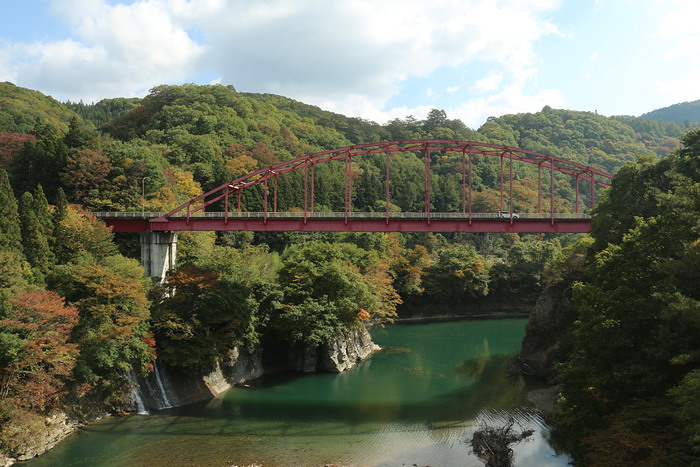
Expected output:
(158, 254)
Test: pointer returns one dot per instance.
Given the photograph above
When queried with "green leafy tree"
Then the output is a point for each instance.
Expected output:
(687, 398)
(457, 272)
(637, 326)
(212, 305)
(40, 162)
(348, 283)
(112, 332)
(40, 206)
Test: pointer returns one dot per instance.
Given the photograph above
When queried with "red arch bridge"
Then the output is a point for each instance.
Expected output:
(195, 215)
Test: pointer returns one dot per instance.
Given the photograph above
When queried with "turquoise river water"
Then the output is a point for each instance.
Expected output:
(416, 402)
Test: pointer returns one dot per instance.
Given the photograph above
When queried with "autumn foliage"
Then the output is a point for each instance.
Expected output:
(43, 355)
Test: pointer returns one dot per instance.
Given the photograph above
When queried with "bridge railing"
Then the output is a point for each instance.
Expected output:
(351, 215)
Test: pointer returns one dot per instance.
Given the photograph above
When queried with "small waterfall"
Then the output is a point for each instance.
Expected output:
(136, 394)
(164, 396)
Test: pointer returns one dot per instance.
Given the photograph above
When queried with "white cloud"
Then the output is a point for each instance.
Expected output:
(681, 89)
(350, 57)
(329, 53)
(679, 26)
(116, 51)
(452, 89)
(512, 99)
(487, 84)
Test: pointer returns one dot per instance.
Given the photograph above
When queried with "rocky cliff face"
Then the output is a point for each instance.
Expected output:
(168, 387)
(42, 434)
(337, 354)
(546, 334)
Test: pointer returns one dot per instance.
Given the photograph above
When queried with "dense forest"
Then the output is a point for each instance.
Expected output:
(77, 314)
(629, 371)
(685, 113)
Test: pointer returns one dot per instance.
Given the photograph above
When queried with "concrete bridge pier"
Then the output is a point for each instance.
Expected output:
(158, 254)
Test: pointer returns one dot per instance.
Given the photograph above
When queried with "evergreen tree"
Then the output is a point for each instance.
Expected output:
(77, 135)
(60, 233)
(10, 234)
(36, 246)
(41, 209)
(40, 162)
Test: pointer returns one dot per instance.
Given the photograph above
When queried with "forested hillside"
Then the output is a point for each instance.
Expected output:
(22, 109)
(630, 378)
(76, 313)
(685, 113)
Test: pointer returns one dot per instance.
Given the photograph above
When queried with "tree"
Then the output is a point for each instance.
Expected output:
(436, 118)
(78, 232)
(40, 162)
(78, 136)
(241, 165)
(113, 332)
(85, 171)
(348, 283)
(40, 207)
(10, 232)
(35, 353)
(687, 399)
(457, 272)
(212, 305)
(34, 240)
(637, 314)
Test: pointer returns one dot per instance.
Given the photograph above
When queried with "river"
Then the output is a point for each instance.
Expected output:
(416, 402)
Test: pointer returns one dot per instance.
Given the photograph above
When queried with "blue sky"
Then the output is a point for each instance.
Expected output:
(375, 59)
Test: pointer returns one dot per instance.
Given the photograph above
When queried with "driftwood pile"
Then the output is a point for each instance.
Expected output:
(492, 444)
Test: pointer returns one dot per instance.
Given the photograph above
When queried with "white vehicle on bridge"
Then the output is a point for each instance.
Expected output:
(507, 215)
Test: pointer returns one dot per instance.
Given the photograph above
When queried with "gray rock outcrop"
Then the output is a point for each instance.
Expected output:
(549, 322)
(337, 354)
(167, 387)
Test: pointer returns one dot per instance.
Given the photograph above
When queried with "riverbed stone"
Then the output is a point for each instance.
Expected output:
(545, 399)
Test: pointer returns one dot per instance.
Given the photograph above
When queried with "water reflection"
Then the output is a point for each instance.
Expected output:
(417, 401)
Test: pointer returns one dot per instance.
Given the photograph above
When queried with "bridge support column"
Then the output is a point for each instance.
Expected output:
(158, 254)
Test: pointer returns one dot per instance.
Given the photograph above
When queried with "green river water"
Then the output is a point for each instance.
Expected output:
(416, 402)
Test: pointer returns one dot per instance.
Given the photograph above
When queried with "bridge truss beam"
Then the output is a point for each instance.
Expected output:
(175, 224)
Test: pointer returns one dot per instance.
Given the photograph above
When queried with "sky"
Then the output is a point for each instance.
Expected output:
(374, 59)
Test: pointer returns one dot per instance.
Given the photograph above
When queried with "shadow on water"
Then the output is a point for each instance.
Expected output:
(405, 405)
(485, 385)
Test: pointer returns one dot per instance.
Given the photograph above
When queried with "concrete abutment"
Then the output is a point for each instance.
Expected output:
(158, 254)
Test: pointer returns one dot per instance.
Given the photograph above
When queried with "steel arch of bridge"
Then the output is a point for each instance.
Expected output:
(194, 210)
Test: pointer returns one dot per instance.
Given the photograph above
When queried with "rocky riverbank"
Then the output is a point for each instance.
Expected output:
(338, 354)
(169, 387)
(545, 341)
(38, 434)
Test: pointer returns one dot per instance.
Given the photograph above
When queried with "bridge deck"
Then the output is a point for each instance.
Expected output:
(350, 222)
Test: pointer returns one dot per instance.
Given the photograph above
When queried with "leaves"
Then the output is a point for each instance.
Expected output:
(37, 356)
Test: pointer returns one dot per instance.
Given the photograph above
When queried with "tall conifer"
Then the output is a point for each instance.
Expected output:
(10, 233)
(60, 236)
(36, 246)
(41, 209)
